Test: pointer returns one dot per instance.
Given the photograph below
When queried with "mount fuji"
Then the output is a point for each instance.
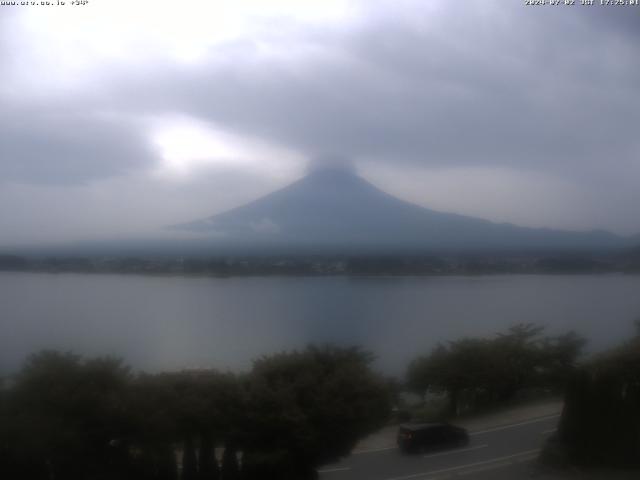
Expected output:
(334, 209)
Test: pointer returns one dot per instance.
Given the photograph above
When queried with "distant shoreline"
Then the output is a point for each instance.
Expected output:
(331, 266)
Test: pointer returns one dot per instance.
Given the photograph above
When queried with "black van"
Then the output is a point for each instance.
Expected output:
(420, 437)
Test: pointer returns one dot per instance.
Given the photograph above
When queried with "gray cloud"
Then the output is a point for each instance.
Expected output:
(490, 92)
(621, 21)
(54, 146)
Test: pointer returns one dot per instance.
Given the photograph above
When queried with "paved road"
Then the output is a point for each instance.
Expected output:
(498, 453)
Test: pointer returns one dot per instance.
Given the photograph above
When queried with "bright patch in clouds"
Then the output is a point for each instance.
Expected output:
(187, 146)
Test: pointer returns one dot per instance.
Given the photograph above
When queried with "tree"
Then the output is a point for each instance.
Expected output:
(462, 366)
(477, 371)
(188, 410)
(154, 433)
(207, 464)
(516, 357)
(600, 424)
(308, 408)
(559, 356)
(67, 416)
(230, 469)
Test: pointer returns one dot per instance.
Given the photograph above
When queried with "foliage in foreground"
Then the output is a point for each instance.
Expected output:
(63, 417)
(477, 372)
(600, 424)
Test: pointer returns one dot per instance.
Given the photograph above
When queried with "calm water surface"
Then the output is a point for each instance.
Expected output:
(174, 322)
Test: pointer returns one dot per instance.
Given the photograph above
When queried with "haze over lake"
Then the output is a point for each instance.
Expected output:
(171, 322)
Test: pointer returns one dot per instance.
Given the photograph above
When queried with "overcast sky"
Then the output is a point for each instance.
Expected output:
(121, 116)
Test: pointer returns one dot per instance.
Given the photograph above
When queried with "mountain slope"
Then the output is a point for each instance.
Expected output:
(337, 209)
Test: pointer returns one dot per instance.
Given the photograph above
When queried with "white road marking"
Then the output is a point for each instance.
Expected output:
(484, 468)
(551, 430)
(331, 470)
(458, 450)
(513, 425)
(468, 465)
(495, 466)
(373, 450)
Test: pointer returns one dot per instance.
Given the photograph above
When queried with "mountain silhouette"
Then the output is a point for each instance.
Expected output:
(336, 209)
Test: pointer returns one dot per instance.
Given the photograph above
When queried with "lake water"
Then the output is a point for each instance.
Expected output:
(174, 322)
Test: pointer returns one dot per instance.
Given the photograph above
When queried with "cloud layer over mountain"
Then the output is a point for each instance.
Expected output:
(120, 119)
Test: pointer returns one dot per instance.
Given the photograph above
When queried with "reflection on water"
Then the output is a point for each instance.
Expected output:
(174, 322)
